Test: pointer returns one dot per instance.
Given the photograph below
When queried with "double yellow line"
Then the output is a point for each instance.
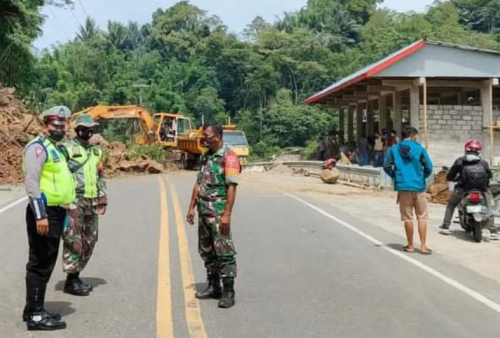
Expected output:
(164, 320)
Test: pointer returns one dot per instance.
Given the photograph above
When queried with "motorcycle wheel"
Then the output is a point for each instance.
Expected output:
(478, 231)
(463, 224)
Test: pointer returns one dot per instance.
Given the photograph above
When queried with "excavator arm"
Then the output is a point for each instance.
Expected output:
(121, 112)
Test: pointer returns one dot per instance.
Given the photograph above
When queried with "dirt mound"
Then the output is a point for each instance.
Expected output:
(17, 127)
(280, 169)
(118, 161)
(439, 193)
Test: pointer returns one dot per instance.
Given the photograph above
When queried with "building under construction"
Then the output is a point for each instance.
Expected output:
(449, 92)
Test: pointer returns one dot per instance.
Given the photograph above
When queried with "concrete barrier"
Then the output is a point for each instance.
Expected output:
(367, 175)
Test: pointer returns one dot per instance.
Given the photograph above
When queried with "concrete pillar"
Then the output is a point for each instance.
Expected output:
(415, 107)
(350, 123)
(486, 102)
(341, 124)
(398, 114)
(359, 120)
(370, 120)
(383, 116)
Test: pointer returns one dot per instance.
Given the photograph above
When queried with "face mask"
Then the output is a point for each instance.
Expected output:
(85, 134)
(207, 142)
(56, 135)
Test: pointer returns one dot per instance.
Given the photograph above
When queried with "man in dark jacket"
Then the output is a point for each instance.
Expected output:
(409, 165)
(472, 156)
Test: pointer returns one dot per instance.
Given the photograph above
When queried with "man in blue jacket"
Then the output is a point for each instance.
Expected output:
(409, 165)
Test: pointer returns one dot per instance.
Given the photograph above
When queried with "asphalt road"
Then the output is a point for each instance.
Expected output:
(306, 270)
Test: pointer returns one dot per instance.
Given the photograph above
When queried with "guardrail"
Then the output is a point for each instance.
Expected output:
(369, 176)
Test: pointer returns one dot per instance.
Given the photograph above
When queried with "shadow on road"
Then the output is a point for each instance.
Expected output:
(400, 247)
(395, 246)
(92, 281)
(461, 234)
(64, 308)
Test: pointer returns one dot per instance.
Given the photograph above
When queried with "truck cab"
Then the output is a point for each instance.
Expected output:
(236, 140)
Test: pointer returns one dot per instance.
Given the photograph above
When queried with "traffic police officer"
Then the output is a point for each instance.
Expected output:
(51, 189)
(214, 193)
(80, 236)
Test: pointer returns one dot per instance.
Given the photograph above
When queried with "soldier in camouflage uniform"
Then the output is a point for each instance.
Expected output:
(214, 194)
(80, 236)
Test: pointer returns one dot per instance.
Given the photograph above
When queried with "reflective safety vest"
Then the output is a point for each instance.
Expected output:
(84, 164)
(56, 182)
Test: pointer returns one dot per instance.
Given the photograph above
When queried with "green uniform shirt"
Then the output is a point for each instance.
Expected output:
(217, 171)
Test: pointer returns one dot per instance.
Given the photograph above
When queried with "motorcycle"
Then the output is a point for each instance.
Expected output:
(474, 213)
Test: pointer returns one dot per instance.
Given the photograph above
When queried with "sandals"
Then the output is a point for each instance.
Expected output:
(407, 249)
(426, 253)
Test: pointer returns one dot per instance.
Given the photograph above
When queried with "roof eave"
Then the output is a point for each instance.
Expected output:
(370, 72)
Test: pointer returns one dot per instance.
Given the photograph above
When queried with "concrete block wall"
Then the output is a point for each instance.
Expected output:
(450, 127)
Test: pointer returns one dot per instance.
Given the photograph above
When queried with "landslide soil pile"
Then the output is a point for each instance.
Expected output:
(119, 161)
(17, 127)
(439, 192)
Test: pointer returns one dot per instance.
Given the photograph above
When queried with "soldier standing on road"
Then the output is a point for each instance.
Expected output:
(80, 236)
(214, 194)
(51, 189)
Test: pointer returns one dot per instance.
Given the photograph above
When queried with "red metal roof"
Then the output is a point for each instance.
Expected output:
(369, 71)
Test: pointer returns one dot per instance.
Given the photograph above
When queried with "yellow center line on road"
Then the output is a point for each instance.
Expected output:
(164, 322)
(193, 313)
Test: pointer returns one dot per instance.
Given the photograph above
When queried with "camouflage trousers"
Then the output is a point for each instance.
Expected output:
(217, 251)
(80, 235)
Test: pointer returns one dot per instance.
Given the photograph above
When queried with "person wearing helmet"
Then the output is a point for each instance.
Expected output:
(471, 160)
(50, 187)
(80, 236)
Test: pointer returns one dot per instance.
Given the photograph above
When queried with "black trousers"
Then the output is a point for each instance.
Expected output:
(43, 250)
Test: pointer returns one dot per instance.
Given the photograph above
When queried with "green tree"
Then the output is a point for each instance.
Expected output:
(20, 21)
(480, 15)
(89, 31)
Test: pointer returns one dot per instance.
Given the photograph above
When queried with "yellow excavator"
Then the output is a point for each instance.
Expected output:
(173, 131)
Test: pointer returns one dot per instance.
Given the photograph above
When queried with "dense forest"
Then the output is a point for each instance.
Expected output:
(192, 64)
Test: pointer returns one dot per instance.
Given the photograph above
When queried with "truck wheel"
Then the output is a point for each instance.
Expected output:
(190, 164)
(478, 231)
(183, 162)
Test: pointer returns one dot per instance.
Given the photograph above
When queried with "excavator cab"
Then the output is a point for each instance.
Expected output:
(168, 127)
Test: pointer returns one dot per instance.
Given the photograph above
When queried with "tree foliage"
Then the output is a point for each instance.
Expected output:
(20, 22)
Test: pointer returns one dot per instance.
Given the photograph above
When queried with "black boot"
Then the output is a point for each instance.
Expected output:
(74, 286)
(55, 316)
(213, 290)
(37, 318)
(228, 295)
(86, 286)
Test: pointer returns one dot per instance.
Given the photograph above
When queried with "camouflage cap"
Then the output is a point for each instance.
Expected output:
(85, 120)
(56, 115)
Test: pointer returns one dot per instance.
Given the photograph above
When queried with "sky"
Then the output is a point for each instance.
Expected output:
(61, 25)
